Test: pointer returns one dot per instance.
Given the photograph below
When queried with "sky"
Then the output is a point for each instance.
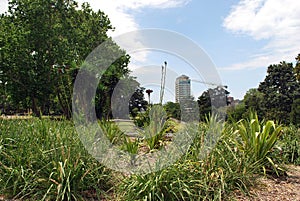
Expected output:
(241, 37)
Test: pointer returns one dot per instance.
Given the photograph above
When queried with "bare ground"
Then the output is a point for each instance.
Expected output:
(274, 189)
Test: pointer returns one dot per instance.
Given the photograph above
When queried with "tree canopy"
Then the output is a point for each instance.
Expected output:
(42, 46)
(279, 90)
(212, 99)
(297, 68)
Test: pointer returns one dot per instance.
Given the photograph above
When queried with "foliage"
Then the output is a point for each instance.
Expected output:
(192, 178)
(235, 113)
(253, 101)
(171, 126)
(295, 112)
(112, 132)
(279, 89)
(297, 68)
(173, 110)
(43, 43)
(44, 160)
(154, 132)
(257, 140)
(49, 41)
(216, 97)
(131, 146)
(142, 119)
(288, 147)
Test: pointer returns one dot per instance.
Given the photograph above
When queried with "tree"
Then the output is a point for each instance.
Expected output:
(237, 112)
(295, 112)
(212, 99)
(204, 105)
(297, 68)
(253, 101)
(137, 102)
(107, 84)
(173, 110)
(279, 89)
(43, 43)
(127, 99)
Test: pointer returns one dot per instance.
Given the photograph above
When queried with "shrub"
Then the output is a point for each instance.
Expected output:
(256, 140)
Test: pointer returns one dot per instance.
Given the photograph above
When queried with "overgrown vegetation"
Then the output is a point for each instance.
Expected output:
(44, 160)
(229, 166)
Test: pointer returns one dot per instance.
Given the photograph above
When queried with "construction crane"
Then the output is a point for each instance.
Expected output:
(210, 83)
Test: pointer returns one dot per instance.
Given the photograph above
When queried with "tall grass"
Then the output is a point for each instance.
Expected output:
(112, 132)
(44, 160)
(288, 147)
(195, 178)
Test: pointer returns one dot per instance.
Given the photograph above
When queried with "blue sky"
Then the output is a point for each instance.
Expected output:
(242, 37)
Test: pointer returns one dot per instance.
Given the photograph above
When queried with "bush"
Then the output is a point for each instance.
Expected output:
(256, 140)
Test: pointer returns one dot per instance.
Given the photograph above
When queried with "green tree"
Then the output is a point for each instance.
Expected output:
(216, 97)
(279, 89)
(137, 102)
(43, 42)
(295, 112)
(253, 101)
(297, 68)
(173, 110)
(128, 98)
(107, 84)
(236, 113)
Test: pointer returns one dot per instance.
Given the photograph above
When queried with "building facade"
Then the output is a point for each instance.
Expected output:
(182, 88)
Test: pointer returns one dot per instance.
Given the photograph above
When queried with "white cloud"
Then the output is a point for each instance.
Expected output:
(277, 21)
(122, 16)
(3, 6)
(121, 12)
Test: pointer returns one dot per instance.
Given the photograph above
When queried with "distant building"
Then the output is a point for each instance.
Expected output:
(182, 88)
(232, 102)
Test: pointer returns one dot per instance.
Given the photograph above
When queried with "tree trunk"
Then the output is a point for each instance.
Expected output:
(34, 107)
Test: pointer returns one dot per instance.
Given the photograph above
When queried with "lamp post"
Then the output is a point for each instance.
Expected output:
(149, 91)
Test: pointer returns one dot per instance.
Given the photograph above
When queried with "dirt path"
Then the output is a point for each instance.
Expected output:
(282, 189)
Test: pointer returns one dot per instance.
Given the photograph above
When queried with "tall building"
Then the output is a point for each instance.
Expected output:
(182, 88)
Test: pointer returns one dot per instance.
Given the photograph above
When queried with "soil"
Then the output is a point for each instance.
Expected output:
(273, 189)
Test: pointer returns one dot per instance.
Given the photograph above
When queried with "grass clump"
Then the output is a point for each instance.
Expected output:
(193, 178)
(44, 160)
(288, 146)
(234, 162)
